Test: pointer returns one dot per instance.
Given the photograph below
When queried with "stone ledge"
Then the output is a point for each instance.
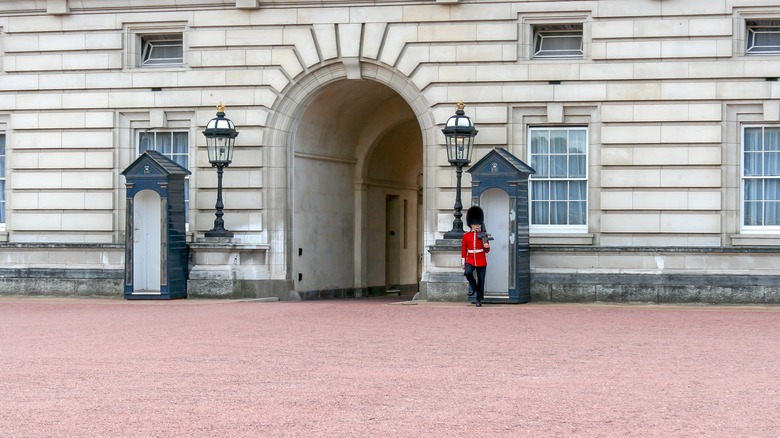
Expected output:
(63, 273)
(60, 245)
(78, 287)
(233, 246)
(659, 249)
(660, 288)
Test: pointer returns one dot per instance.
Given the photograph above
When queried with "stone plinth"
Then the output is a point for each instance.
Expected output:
(61, 269)
(223, 267)
(444, 281)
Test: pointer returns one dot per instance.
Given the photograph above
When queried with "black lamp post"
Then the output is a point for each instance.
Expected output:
(220, 138)
(459, 132)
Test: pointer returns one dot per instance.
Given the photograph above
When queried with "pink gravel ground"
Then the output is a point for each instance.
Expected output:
(384, 368)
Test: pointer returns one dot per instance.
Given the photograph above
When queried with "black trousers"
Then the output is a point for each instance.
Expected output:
(477, 284)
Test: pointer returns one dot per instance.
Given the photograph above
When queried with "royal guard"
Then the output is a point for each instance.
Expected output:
(473, 259)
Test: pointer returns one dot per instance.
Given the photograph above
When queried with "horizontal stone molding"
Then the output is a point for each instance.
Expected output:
(61, 245)
(660, 289)
(61, 273)
(661, 249)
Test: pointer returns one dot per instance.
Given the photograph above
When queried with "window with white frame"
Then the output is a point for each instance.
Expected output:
(174, 145)
(557, 41)
(763, 37)
(162, 50)
(2, 179)
(559, 189)
(761, 178)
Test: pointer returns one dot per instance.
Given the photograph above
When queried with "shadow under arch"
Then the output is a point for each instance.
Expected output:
(353, 151)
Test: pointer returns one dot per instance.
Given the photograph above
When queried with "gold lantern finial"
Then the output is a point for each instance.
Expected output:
(221, 108)
(461, 105)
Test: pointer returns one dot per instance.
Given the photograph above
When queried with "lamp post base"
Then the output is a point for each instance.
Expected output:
(218, 233)
(454, 234)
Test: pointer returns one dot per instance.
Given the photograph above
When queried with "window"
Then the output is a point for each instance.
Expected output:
(174, 145)
(763, 37)
(155, 45)
(558, 41)
(2, 178)
(761, 177)
(559, 189)
(162, 50)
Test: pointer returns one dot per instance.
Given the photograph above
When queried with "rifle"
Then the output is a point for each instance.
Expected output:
(484, 235)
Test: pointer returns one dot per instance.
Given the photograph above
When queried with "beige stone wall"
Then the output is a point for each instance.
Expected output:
(663, 88)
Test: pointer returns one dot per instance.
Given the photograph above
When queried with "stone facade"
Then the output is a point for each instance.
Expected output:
(340, 180)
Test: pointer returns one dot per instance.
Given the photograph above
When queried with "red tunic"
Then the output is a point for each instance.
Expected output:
(473, 251)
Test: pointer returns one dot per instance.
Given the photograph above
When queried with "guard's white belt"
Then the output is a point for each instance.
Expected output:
(474, 251)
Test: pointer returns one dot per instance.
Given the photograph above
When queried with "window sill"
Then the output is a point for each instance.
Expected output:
(158, 68)
(558, 61)
(755, 239)
(561, 239)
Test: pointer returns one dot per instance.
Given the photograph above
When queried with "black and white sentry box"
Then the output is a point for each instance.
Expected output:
(155, 239)
(499, 185)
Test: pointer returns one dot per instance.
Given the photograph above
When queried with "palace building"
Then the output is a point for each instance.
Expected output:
(653, 128)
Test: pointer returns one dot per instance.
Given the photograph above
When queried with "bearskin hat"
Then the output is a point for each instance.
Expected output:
(475, 216)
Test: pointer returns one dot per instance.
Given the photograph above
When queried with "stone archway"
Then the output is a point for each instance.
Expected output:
(356, 148)
(355, 152)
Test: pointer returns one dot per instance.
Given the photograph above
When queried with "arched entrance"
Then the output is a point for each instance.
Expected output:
(495, 203)
(356, 181)
(147, 241)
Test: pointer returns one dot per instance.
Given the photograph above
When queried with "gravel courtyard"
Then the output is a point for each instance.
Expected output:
(385, 367)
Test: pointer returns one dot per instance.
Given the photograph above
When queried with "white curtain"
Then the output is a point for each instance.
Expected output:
(771, 168)
(174, 145)
(2, 178)
(578, 202)
(540, 206)
(559, 192)
(761, 166)
(179, 149)
(559, 188)
(540, 150)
